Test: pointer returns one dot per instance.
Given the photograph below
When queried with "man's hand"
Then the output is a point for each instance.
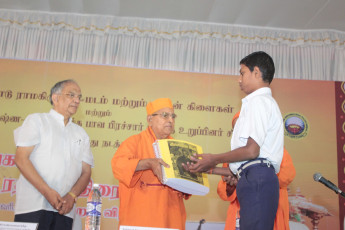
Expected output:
(54, 199)
(200, 165)
(67, 205)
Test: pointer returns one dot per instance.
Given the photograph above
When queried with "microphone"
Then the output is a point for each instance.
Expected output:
(327, 183)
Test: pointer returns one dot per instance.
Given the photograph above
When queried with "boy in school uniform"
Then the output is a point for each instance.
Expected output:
(256, 146)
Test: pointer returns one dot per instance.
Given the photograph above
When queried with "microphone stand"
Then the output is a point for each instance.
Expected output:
(200, 223)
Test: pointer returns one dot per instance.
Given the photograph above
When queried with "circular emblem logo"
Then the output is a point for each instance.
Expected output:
(295, 126)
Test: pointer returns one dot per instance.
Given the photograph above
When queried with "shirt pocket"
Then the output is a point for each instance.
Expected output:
(76, 149)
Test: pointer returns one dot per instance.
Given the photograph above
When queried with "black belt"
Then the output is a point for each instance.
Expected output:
(250, 163)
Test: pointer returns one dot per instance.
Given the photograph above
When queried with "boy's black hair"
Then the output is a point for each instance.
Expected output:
(263, 61)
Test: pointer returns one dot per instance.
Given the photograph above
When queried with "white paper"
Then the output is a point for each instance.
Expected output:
(17, 226)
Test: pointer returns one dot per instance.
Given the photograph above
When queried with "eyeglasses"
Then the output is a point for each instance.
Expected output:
(166, 115)
(72, 95)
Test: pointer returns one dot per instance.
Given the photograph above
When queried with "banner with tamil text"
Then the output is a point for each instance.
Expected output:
(113, 108)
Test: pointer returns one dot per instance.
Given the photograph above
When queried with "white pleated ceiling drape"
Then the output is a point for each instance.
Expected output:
(168, 45)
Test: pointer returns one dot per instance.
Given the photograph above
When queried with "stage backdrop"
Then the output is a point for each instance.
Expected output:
(113, 109)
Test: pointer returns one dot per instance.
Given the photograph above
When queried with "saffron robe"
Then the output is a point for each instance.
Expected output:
(234, 205)
(285, 176)
(144, 200)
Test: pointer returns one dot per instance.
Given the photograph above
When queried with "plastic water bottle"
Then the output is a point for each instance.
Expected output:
(93, 209)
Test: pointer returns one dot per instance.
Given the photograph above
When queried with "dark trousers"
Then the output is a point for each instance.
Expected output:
(258, 194)
(47, 220)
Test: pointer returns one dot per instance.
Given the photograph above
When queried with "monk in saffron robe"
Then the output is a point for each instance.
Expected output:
(227, 192)
(144, 200)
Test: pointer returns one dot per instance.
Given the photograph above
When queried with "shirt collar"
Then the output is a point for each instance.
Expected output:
(59, 117)
(260, 91)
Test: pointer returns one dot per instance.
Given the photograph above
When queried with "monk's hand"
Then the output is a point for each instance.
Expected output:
(156, 167)
(230, 189)
(231, 180)
(227, 179)
(201, 163)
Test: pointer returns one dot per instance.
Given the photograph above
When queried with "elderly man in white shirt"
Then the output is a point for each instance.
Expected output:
(54, 157)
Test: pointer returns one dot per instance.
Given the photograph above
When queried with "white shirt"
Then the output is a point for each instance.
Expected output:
(260, 119)
(57, 156)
